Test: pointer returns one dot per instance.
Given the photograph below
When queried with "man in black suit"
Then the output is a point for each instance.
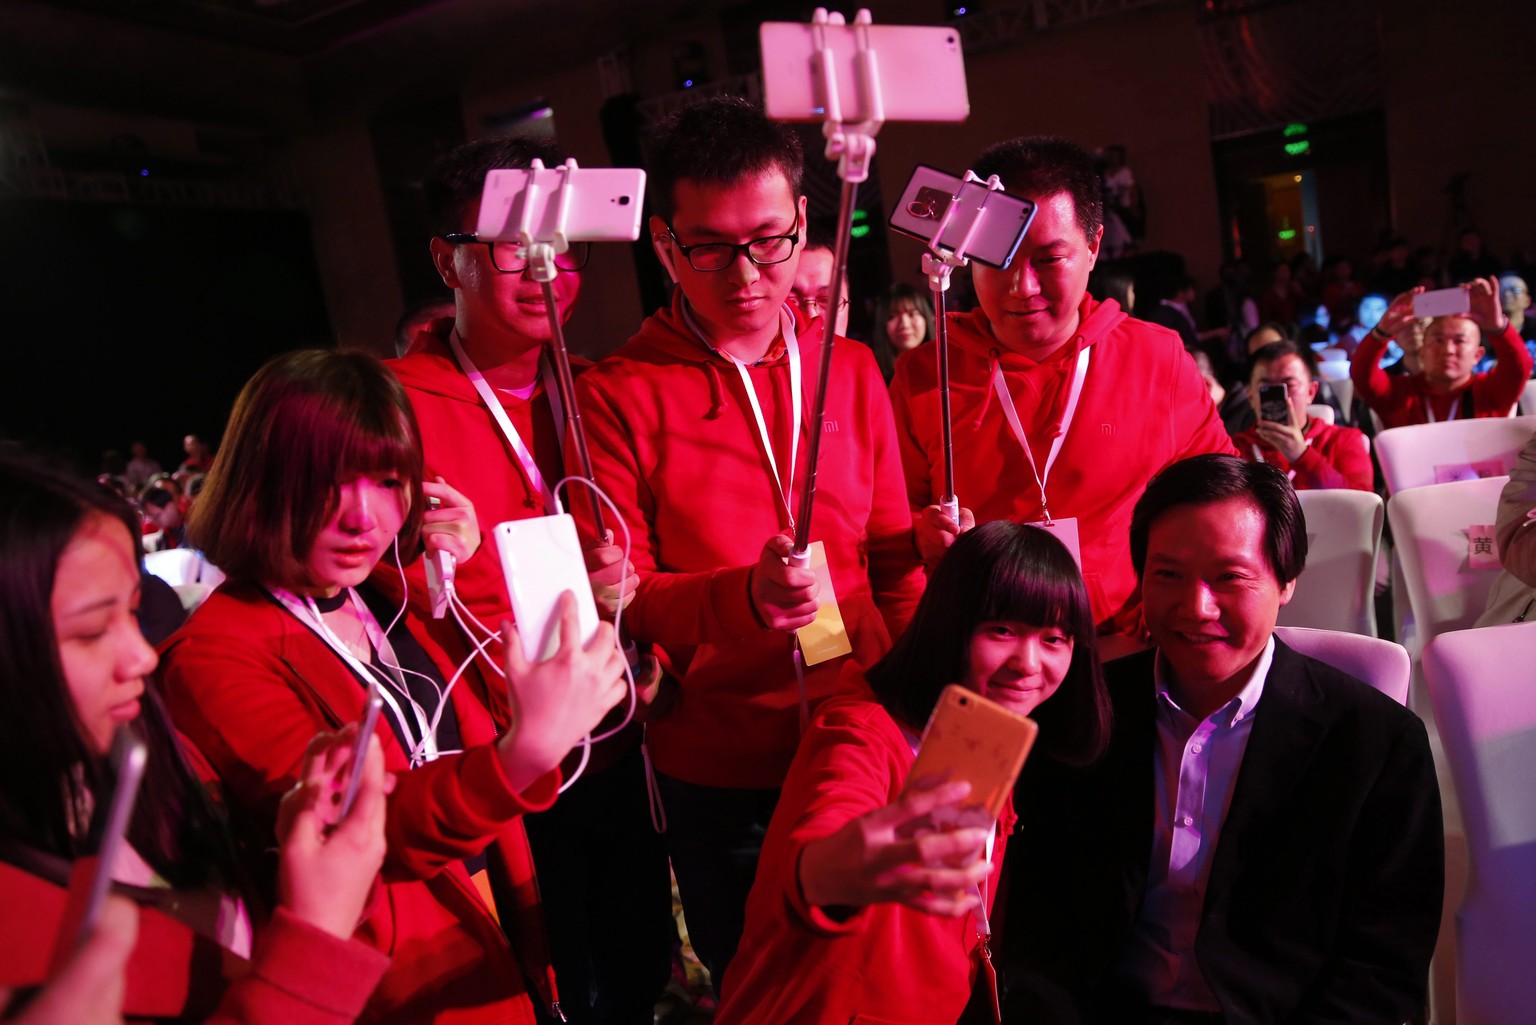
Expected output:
(1262, 842)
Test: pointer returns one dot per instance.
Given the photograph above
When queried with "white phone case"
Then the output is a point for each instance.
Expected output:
(929, 193)
(1442, 302)
(541, 559)
(921, 72)
(605, 206)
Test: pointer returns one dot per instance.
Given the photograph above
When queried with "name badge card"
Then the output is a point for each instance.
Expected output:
(826, 636)
(1482, 551)
(1065, 529)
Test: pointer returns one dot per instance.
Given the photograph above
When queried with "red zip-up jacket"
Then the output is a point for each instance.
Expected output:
(1335, 457)
(1143, 406)
(675, 444)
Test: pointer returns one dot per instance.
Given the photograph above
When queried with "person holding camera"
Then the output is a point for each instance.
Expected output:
(1312, 453)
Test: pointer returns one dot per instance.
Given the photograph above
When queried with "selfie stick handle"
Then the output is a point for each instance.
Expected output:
(938, 262)
(853, 146)
(541, 268)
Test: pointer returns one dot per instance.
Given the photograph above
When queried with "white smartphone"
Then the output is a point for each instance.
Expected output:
(365, 729)
(1442, 302)
(1001, 220)
(604, 207)
(541, 559)
(921, 72)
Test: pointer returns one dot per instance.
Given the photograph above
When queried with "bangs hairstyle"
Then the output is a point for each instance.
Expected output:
(1210, 478)
(1038, 166)
(721, 140)
(306, 421)
(457, 178)
(1001, 571)
(46, 766)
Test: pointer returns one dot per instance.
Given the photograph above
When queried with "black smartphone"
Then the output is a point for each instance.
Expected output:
(1273, 405)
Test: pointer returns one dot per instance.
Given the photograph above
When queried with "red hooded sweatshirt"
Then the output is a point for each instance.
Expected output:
(1143, 406)
(675, 444)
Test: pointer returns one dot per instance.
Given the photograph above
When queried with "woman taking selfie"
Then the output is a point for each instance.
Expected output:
(864, 903)
(318, 480)
(74, 676)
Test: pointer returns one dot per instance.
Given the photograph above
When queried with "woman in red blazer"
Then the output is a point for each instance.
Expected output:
(74, 675)
(318, 479)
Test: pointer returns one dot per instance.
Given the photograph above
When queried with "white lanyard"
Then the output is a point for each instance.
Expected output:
(784, 482)
(307, 613)
(524, 456)
(983, 920)
(1429, 409)
(1258, 457)
(1012, 414)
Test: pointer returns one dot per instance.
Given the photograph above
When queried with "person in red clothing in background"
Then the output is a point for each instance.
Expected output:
(602, 867)
(1445, 388)
(1063, 407)
(697, 429)
(1312, 453)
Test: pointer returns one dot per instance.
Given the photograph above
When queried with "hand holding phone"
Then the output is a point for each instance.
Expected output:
(1442, 302)
(974, 739)
(365, 730)
(1273, 404)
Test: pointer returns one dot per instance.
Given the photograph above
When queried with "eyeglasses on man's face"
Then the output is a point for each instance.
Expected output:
(816, 305)
(511, 258)
(714, 256)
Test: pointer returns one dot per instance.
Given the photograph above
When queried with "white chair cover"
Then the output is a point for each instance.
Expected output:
(1337, 590)
(1410, 455)
(1382, 664)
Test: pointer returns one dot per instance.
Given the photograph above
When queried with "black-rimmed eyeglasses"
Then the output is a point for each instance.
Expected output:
(713, 256)
(510, 257)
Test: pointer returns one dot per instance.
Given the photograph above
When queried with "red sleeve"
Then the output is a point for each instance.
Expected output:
(301, 975)
(678, 609)
(895, 572)
(1372, 384)
(1497, 391)
(842, 771)
(233, 701)
(1345, 464)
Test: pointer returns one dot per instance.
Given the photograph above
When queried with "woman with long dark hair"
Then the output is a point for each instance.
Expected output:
(317, 482)
(76, 672)
(903, 320)
(863, 905)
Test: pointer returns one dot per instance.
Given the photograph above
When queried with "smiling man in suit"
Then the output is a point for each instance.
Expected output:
(1262, 842)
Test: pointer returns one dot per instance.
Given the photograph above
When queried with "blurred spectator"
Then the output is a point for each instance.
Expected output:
(1313, 454)
(1513, 598)
(903, 320)
(813, 279)
(418, 318)
(1515, 300)
(140, 467)
(1471, 261)
(1125, 212)
(1341, 292)
(1278, 301)
(1391, 271)
(161, 505)
(1175, 314)
(199, 455)
(1113, 283)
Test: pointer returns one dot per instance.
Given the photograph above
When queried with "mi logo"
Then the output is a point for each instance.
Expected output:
(829, 426)
(1106, 430)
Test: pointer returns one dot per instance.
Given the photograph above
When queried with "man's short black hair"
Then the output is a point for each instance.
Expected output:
(720, 140)
(1038, 166)
(1206, 479)
(1278, 351)
(819, 235)
(456, 178)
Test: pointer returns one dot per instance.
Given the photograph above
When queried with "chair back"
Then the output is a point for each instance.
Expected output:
(1421, 454)
(1480, 684)
(1321, 411)
(186, 570)
(1382, 664)
(1527, 403)
(1430, 529)
(1337, 590)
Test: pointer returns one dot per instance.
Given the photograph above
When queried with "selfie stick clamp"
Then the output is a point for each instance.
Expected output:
(852, 145)
(541, 253)
(938, 262)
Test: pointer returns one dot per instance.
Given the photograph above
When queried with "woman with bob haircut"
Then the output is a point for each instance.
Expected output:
(317, 481)
(75, 675)
(863, 906)
(903, 320)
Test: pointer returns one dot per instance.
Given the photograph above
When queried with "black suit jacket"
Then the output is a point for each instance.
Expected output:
(1324, 896)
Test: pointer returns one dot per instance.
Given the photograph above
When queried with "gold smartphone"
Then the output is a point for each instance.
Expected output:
(972, 738)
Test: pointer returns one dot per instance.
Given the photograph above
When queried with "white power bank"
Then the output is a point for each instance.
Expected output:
(541, 560)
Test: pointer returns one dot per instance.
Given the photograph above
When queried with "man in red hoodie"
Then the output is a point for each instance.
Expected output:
(698, 431)
(1063, 407)
(602, 868)
(1312, 453)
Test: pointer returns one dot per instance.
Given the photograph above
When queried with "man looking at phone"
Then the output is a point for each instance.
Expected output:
(1262, 843)
(697, 432)
(1446, 388)
(1063, 407)
(602, 868)
(1313, 454)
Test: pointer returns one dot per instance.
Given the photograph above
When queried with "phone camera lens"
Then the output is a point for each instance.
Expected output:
(965, 701)
(623, 200)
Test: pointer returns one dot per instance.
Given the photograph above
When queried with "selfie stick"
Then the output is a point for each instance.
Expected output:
(541, 267)
(938, 262)
(853, 146)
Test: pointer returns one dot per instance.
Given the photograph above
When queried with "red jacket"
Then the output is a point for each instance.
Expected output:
(1401, 399)
(675, 445)
(249, 685)
(1335, 457)
(464, 446)
(1143, 406)
(885, 963)
(298, 975)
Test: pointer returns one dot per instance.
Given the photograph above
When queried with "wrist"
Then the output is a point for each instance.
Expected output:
(1377, 332)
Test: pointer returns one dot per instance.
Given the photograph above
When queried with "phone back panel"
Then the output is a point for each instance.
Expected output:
(972, 738)
(921, 72)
